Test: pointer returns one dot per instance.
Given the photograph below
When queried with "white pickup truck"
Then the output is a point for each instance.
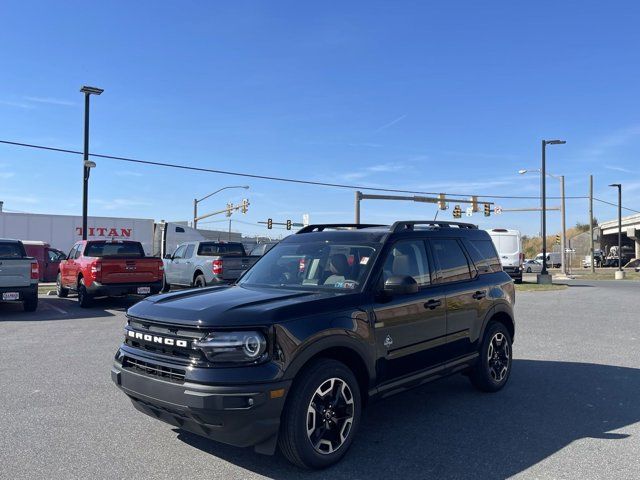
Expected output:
(198, 264)
(19, 275)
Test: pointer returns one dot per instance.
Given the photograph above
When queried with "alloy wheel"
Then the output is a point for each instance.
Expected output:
(498, 357)
(330, 416)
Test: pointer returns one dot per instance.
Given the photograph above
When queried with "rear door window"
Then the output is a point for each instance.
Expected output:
(452, 261)
(11, 250)
(189, 251)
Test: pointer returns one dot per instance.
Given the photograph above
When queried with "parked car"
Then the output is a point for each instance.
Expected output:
(332, 318)
(48, 258)
(261, 249)
(198, 264)
(108, 268)
(509, 246)
(19, 275)
(532, 266)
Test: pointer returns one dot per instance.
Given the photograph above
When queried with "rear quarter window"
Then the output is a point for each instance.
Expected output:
(11, 250)
(483, 254)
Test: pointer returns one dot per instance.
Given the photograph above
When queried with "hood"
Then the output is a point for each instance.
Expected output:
(238, 306)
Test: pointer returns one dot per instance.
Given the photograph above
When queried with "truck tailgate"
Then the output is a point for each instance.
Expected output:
(134, 270)
(233, 266)
(15, 272)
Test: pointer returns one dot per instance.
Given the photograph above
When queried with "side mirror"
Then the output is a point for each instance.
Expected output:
(401, 285)
(168, 256)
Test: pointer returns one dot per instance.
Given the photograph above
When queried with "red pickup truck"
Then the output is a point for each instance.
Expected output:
(108, 268)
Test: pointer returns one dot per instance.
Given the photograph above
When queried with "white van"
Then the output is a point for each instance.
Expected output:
(509, 246)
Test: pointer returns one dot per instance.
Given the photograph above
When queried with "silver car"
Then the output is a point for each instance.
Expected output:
(532, 266)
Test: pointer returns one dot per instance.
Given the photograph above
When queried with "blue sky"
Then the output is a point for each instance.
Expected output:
(436, 96)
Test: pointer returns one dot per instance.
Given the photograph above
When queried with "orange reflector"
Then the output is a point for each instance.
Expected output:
(277, 393)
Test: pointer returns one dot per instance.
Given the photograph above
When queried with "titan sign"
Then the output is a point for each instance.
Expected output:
(106, 232)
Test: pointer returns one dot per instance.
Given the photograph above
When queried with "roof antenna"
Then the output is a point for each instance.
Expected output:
(436, 217)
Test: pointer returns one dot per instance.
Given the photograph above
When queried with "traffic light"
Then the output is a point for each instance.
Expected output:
(442, 205)
(557, 239)
(245, 205)
(269, 223)
(457, 211)
(288, 224)
(487, 210)
(229, 208)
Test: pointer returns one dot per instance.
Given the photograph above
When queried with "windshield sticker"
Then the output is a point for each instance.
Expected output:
(364, 260)
(348, 284)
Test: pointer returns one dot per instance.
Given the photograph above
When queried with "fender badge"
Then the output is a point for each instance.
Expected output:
(388, 341)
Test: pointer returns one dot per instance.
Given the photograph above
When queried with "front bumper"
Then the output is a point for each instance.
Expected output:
(24, 293)
(98, 289)
(239, 415)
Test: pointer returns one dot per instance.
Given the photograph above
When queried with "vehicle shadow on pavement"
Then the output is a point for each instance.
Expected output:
(53, 308)
(449, 430)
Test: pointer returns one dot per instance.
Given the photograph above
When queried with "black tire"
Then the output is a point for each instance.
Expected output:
(488, 374)
(30, 304)
(84, 298)
(60, 290)
(518, 281)
(342, 418)
(528, 269)
(200, 281)
(165, 286)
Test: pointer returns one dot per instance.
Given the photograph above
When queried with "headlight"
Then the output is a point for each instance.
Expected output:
(233, 347)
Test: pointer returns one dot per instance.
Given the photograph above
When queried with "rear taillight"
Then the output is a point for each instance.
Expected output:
(217, 267)
(96, 270)
(35, 270)
(161, 267)
(521, 258)
(301, 265)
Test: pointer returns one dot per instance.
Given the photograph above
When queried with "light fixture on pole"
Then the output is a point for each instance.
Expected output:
(87, 164)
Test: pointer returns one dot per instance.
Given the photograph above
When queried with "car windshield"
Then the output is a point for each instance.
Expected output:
(313, 265)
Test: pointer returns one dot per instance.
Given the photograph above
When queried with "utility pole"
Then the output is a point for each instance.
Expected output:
(358, 198)
(229, 237)
(563, 240)
(591, 245)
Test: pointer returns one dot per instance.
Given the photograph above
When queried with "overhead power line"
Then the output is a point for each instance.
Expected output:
(267, 177)
(615, 205)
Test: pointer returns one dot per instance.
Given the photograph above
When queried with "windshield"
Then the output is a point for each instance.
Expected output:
(315, 265)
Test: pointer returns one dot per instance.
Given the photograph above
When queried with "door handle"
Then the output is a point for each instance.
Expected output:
(479, 295)
(431, 304)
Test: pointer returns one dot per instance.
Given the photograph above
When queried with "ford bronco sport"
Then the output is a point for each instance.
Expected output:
(329, 319)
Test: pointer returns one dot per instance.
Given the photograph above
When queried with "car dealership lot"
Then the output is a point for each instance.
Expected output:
(571, 409)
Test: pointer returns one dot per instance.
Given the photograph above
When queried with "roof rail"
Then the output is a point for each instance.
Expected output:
(410, 224)
(336, 226)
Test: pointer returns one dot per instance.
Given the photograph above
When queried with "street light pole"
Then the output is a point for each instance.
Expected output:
(619, 275)
(563, 237)
(86, 165)
(544, 276)
(196, 201)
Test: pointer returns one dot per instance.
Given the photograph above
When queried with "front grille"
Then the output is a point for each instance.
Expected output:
(168, 331)
(152, 369)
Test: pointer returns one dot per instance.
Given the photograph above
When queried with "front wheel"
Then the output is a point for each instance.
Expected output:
(84, 298)
(60, 290)
(528, 269)
(321, 416)
(494, 365)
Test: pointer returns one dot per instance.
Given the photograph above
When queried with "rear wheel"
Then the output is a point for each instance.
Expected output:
(494, 365)
(528, 269)
(84, 298)
(321, 415)
(60, 290)
(30, 304)
(200, 281)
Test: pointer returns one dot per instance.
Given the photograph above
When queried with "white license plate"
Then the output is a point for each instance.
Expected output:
(144, 290)
(10, 296)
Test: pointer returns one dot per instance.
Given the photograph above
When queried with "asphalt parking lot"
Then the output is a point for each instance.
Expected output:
(571, 409)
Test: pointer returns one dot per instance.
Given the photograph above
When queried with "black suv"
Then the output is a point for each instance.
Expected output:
(327, 320)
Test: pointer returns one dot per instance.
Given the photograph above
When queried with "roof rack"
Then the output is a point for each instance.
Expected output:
(336, 226)
(410, 224)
